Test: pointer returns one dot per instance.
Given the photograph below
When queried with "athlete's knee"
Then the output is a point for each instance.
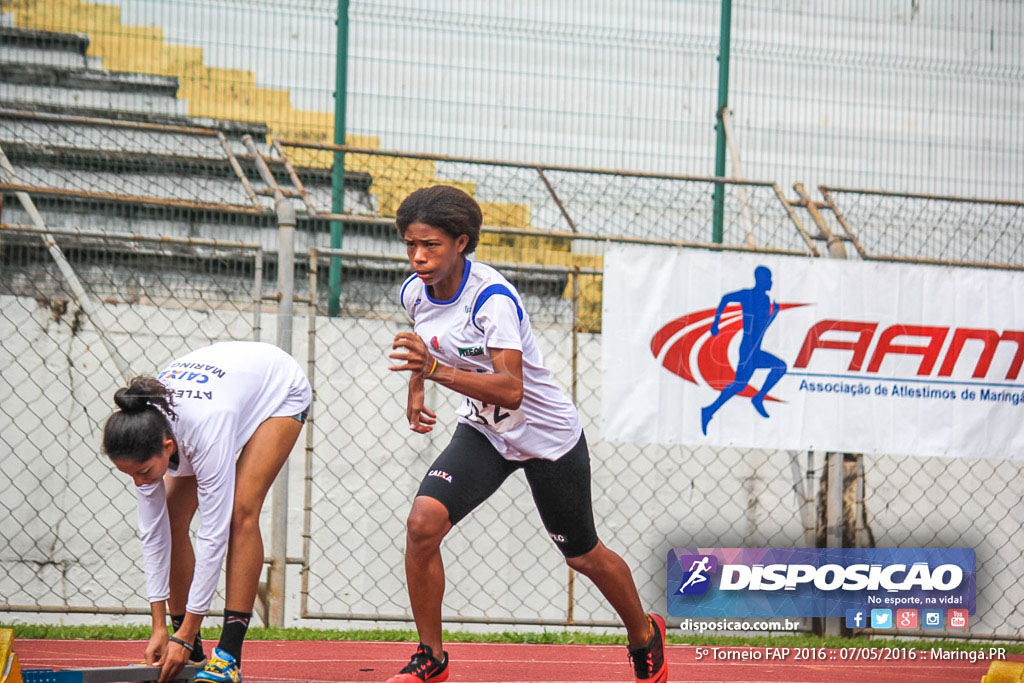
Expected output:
(590, 561)
(426, 525)
(245, 518)
(180, 516)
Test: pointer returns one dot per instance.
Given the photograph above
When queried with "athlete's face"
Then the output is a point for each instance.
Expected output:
(149, 471)
(436, 257)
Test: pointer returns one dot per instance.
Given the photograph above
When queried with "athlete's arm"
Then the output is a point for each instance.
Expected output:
(421, 419)
(155, 535)
(503, 387)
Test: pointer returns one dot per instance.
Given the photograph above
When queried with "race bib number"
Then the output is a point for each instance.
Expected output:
(493, 417)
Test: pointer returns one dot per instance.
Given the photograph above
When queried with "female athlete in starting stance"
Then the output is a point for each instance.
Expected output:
(514, 417)
(188, 423)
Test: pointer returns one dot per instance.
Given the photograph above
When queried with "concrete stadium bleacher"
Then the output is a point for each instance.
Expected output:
(116, 151)
(178, 183)
(218, 94)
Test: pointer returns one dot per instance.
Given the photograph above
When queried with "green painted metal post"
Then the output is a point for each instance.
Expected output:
(718, 217)
(338, 172)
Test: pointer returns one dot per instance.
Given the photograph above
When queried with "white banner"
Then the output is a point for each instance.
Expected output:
(796, 353)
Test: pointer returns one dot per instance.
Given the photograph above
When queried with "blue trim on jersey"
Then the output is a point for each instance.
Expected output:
(401, 295)
(462, 286)
(487, 292)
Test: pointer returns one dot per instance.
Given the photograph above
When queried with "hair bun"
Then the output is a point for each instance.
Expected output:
(141, 393)
(130, 401)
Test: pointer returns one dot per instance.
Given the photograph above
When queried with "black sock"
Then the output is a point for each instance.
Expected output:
(235, 626)
(197, 647)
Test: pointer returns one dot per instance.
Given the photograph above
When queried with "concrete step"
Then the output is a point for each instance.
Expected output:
(63, 115)
(43, 134)
(100, 101)
(73, 214)
(75, 43)
(12, 72)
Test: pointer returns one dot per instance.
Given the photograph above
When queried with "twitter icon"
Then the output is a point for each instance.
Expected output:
(881, 618)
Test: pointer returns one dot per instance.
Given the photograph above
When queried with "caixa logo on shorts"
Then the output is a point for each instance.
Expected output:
(440, 474)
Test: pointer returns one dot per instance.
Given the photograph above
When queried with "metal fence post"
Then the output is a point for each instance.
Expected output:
(285, 212)
(835, 520)
(718, 217)
(338, 169)
(279, 512)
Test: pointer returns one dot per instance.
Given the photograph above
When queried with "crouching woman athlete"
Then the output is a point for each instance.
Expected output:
(176, 435)
(513, 417)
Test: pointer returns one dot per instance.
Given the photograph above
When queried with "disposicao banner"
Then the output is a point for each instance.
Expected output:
(870, 587)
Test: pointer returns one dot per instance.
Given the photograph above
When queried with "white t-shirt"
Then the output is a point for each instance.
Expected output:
(222, 393)
(487, 313)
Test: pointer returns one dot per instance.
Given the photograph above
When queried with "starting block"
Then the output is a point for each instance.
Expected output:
(10, 670)
(1004, 672)
(116, 674)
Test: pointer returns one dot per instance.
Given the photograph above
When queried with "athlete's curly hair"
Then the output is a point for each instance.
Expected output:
(444, 207)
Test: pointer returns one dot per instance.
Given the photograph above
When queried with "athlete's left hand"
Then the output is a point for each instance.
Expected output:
(415, 354)
(174, 660)
(421, 418)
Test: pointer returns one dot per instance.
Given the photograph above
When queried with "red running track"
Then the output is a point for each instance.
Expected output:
(346, 661)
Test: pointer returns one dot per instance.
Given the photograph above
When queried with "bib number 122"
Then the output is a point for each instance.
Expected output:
(495, 417)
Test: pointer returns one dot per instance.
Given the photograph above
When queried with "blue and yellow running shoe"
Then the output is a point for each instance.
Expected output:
(221, 667)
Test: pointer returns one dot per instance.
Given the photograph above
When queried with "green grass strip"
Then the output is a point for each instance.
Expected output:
(552, 637)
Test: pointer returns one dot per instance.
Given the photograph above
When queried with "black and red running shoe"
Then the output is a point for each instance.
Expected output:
(423, 667)
(649, 662)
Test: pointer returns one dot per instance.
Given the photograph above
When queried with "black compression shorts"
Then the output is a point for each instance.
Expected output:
(469, 470)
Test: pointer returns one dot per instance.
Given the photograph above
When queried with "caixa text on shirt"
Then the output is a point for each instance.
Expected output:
(190, 372)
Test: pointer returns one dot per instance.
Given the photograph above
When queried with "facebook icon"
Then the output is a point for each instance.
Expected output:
(855, 618)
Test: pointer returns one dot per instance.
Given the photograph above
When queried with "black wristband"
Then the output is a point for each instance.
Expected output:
(179, 641)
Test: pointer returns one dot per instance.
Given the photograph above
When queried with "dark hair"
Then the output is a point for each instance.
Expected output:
(136, 431)
(444, 207)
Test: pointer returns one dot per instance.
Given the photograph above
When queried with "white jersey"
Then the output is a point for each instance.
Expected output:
(487, 313)
(221, 395)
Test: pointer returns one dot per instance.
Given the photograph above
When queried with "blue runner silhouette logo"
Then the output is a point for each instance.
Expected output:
(758, 313)
(696, 579)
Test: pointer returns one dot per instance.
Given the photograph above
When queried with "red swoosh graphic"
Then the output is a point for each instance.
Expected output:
(677, 357)
(713, 354)
(666, 332)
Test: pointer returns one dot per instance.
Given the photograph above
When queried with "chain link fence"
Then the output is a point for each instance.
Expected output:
(364, 466)
(909, 96)
(930, 228)
(67, 521)
(159, 296)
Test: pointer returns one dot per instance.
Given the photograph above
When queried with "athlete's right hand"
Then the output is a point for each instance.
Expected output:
(410, 349)
(421, 419)
(157, 647)
(714, 329)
